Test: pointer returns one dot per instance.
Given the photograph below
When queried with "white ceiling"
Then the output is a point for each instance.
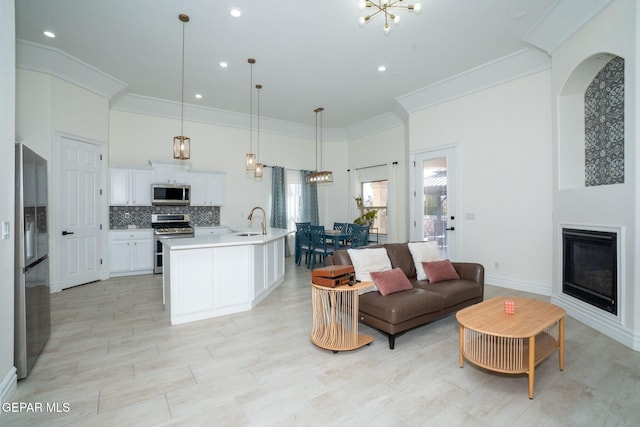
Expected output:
(308, 53)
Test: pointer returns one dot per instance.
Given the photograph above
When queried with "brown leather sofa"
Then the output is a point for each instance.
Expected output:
(399, 312)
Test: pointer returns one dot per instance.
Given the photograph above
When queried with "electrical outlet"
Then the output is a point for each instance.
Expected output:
(6, 230)
(127, 215)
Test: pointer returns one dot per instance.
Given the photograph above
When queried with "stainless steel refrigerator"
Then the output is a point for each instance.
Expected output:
(32, 298)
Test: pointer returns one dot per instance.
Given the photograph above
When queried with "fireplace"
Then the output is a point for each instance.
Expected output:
(590, 267)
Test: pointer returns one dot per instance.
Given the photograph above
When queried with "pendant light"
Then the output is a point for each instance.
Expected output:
(258, 171)
(250, 160)
(182, 144)
(319, 176)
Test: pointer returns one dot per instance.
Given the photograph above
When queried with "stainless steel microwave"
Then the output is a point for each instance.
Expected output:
(171, 194)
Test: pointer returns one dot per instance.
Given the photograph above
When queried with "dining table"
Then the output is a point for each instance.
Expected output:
(336, 236)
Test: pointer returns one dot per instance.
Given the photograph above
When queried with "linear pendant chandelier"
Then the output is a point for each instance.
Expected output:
(319, 176)
(181, 143)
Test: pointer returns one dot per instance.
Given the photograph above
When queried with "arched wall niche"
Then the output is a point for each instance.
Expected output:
(588, 153)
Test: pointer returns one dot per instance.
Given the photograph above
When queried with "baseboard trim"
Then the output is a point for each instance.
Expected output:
(519, 285)
(9, 385)
(603, 322)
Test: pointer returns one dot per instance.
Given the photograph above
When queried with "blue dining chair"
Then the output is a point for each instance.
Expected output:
(341, 226)
(303, 242)
(349, 230)
(319, 245)
(359, 236)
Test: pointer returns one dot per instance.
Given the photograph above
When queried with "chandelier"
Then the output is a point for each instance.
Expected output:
(319, 176)
(182, 144)
(386, 7)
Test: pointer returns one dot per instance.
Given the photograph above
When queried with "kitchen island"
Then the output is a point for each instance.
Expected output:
(212, 276)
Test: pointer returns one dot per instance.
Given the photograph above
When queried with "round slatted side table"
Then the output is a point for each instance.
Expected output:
(335, 317)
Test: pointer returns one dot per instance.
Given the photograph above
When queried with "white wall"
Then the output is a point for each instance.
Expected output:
(333, 198)
(383, 148)
(79, 112)
(7, 178)
(613, 31)
(33, 110)
(45, 106)
(503, 136)
(135, 139)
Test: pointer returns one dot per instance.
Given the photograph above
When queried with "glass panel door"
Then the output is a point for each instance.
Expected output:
(434, 199)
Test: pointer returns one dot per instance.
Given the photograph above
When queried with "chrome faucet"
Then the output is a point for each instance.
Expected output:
(264, 218)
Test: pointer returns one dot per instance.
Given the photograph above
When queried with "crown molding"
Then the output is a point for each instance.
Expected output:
(561, 21)
(45, 59)
(373, 125)
(511, 67)
(52, 61)
(164, 108)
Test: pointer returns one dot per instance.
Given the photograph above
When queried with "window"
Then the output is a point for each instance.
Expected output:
(374, 196)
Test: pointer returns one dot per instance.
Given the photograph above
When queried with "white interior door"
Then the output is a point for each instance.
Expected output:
(435, 199)
(79, 225)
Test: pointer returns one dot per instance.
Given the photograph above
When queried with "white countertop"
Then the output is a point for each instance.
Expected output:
(232, 239)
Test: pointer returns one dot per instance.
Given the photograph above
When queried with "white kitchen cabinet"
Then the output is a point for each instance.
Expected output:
(210, 231)
(268, 267)
(205, 278)
(207, 189)
(131, 252)
(130, 187)
(170, 174)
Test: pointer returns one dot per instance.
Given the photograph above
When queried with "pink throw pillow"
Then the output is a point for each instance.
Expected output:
(390, 281)
(437, 271)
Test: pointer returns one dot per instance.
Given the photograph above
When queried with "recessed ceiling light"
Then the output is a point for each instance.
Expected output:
(49, 34)
(235, 12)
(382, 68)
(223, 64)
(198, 96)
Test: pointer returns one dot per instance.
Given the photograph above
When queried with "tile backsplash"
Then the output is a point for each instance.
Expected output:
(140, 216)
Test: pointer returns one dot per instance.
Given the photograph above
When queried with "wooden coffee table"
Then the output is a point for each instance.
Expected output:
(511, 343)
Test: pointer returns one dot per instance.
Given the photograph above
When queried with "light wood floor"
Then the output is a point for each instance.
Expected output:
(113, 359)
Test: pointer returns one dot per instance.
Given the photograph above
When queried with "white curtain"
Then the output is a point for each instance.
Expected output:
(393, 204)
(354, 190)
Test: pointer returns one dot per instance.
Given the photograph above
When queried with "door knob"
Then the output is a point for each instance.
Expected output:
(451, 228)
(64, 233)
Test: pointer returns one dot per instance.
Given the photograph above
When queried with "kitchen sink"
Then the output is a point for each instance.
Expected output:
(248, 234)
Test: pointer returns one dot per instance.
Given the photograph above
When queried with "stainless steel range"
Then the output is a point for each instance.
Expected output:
(168, 226)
